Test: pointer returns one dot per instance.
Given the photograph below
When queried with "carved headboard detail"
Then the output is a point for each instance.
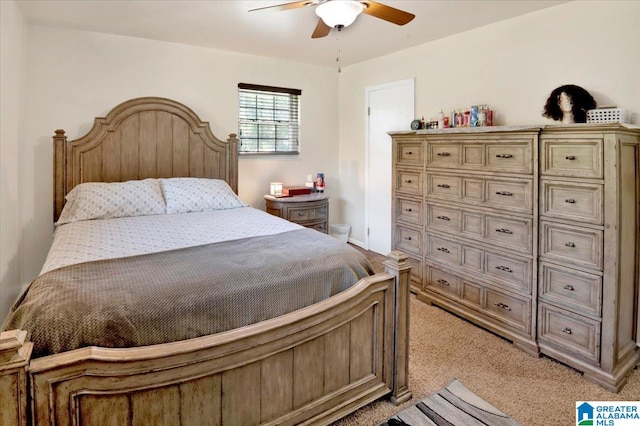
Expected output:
(142, 138)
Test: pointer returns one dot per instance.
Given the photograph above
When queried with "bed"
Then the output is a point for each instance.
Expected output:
(312, 363)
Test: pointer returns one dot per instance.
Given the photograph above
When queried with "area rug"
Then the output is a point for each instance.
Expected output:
(455, 405)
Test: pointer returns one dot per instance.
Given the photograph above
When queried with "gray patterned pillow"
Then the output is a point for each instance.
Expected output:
(100, 200)
(184, 195)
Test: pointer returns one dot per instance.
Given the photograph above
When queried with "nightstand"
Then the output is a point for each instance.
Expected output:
(311, 211)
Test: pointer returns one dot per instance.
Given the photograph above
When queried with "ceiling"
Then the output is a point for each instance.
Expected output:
(228, 25)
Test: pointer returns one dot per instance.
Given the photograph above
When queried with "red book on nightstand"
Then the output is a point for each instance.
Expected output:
(290, 191)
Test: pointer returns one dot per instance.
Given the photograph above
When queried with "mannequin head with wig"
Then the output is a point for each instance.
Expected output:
(569, 104)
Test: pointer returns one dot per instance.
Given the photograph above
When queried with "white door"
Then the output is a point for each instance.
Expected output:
(390, 107)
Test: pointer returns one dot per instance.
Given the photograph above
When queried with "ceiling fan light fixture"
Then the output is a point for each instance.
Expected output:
(339, 13)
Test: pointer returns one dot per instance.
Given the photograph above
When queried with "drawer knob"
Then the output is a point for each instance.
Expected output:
(444, 250)
(568, 287)
(443, 282)
(407, 181)
(567, 330)
(443, 217)
(570, 244)
(504, 268)
(504, 156)
(503, 306)
(408, 210)
(570, 157)
(505, 193)
(407, 238)
(300, 214)
(504, 231)
(570, 201)
(444, 185)
(409, 153)
(444, 154)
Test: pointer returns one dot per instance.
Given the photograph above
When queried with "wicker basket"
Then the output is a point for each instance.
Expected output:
(607, 115)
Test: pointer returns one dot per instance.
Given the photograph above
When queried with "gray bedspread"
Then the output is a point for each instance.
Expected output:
(186, 293)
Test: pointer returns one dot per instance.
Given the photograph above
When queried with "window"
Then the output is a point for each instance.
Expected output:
(268, 119)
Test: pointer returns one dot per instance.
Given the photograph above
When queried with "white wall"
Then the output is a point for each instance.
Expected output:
(13, 65)
(511, 65)
(74, 76)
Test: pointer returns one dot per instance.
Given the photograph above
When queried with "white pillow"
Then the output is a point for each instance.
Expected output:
(100, 200)
(184, 195)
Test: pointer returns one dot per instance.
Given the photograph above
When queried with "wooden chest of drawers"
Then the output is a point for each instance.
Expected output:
(532, 233)
(311, 211)
(477, 235)
(589, 244)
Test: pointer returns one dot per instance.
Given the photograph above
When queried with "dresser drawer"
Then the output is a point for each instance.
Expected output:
(510, 272)
(515, 311)
(409, 182)
(443, 282)
(572, 157)
(516, 272)
(515, 194)
(443, 217)
(444, 186)
(408, 239)
(502, 230)
(571, 333)
(503, 156)
(510, 194)
(444, 250)
(572, 201)
(570, 289)
(571, 244)
(320, 226)
(409, 154)
(444, 155)
(409, 210)
(512, 157)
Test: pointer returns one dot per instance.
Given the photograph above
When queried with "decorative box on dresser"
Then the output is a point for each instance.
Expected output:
(465, 211)
(589, 249)
(309, 210)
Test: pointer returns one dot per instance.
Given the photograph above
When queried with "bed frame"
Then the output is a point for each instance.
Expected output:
(312, 366)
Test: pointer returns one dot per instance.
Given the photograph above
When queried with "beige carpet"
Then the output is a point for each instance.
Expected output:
(530, 390)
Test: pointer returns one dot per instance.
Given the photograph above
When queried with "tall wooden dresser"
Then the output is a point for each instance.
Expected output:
(466, 211)
(589, 249)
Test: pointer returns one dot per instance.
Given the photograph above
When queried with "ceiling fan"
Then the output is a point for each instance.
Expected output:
(341, 13)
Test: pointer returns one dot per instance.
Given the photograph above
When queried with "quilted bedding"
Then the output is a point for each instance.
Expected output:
(184, 293)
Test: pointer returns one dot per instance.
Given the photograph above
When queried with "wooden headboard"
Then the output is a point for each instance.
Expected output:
(142, 138)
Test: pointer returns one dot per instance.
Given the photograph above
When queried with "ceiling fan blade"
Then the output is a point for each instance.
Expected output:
(388, 13)
(285, 6)
(322, 30)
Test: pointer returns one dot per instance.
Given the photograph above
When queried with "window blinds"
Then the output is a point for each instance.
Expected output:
(268, 119)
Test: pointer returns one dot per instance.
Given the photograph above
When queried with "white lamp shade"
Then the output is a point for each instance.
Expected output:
(276, 189)
(339, 12)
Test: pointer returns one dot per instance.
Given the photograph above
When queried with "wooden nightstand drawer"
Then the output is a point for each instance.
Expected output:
(311, 211)
(575, 158)
(572, 201)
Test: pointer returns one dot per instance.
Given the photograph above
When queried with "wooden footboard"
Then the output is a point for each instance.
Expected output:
(312, 366)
